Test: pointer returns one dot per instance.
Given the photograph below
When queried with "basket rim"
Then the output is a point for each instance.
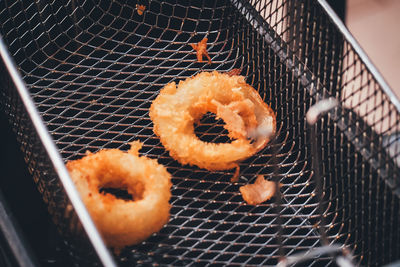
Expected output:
(361, 53)
(59, 166)
(56, 160)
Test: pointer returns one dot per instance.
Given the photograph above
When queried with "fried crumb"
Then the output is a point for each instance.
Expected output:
(258, 192)
(140, 9)
(235, 177)
(201, 49)
(234, 72)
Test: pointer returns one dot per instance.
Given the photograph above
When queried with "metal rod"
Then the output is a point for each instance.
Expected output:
(278, 198)
(360, 52)
(312, 116)
(55, 157)
(318, 184)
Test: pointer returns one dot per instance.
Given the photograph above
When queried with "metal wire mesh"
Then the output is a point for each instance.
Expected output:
(94, 67)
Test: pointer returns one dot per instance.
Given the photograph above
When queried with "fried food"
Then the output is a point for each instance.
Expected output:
(177, 108)
(123, 222)
(259, 192)
(140, 9)
(201, 49)
(234, 72)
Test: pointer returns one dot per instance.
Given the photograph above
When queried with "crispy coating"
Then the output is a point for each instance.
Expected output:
(234, 72)
(123, 222)
(201, 49)
(177, 108)
(259, 192)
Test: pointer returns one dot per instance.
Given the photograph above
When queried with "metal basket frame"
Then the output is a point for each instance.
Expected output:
(69, 80)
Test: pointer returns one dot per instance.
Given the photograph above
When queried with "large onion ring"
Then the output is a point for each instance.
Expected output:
(177, 108)
(123, 222)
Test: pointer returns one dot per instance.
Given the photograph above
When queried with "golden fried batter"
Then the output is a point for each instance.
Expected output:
(123, 222)
(177, 108)
(140, 9)
(259, 192)
(201, 49)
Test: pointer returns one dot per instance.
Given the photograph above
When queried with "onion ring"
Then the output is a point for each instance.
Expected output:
(177, 108)
(123, 222)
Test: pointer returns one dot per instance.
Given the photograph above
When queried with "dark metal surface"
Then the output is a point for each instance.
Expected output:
(29, 235)
(94, 67)
(13, 249)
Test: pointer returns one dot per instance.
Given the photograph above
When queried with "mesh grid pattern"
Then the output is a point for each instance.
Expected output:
(94, 67)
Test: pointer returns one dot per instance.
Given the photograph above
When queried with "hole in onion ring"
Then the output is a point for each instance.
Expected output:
(210, 129)
(117, 192)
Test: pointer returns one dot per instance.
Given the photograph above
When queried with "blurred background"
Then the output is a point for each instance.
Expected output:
(375, 25)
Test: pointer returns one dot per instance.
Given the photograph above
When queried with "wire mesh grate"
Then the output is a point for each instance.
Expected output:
(94, 67)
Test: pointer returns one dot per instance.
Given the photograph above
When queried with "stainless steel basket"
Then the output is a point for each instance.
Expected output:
(89, 70)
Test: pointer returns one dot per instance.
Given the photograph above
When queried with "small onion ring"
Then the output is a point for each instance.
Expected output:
(123, 222)
(177, 108)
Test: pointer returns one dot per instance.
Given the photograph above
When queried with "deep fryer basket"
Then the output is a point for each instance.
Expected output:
(92, 69)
